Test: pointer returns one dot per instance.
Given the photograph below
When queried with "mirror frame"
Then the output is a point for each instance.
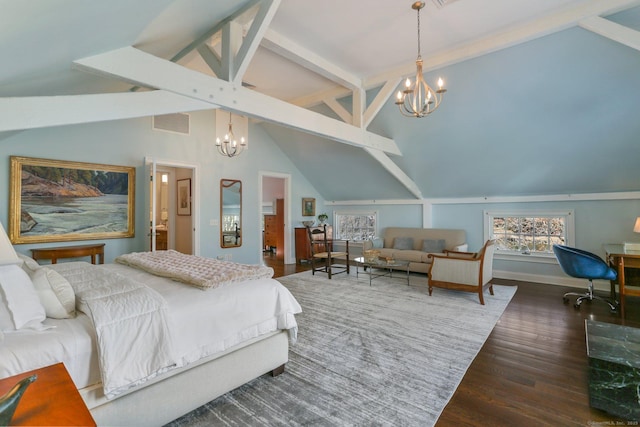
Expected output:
(227, 237)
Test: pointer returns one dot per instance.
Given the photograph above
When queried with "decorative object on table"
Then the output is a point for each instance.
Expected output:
(632, 246)
(371, 255)
(308, 223)
(308, 206)
(322, 218)
(86, 193)
(419, 99)
(9, 402)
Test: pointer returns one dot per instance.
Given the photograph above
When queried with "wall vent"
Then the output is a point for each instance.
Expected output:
(442, 3)
(175, 122)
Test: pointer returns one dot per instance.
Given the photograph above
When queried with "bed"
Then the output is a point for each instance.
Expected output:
(193, 344)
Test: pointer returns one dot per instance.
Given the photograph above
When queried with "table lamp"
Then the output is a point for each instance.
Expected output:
(633, 246)
(8, 255)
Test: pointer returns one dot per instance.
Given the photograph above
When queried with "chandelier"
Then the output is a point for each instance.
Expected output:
(419, 99)
(229, 145)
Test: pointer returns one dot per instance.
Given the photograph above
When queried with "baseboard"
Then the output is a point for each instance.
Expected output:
(601, 285)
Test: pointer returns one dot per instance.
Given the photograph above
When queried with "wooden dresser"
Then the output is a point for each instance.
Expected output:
(274, 229)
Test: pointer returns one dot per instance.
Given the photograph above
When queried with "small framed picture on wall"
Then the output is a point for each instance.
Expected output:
(184, 196)
(308, 206)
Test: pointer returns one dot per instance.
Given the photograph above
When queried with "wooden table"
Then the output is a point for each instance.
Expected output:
(52, 400)
(70, 252)
(618, 257)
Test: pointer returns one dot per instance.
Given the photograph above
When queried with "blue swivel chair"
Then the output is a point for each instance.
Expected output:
(584, 265)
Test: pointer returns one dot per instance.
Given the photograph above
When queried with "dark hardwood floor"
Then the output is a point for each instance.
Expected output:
(533, 368)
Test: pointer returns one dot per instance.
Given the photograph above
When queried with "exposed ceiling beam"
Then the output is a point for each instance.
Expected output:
(137, 67)
(43, 111)
(616, 32)
(337, 108)
(309, 60)
(378, 102)
(395, 170)
(254, 36)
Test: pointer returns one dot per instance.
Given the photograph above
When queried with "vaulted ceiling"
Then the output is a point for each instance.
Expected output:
(542, 95)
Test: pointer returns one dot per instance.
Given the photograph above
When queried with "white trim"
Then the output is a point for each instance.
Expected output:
(542, 198)
(373, 202)
(600, 285)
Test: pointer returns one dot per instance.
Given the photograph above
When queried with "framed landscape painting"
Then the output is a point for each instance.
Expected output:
(56, 200)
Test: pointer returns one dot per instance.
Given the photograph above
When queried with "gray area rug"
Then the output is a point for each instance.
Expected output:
(388, 354)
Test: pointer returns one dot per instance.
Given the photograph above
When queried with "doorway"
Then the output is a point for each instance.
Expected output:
(172, 229)
(275, 208)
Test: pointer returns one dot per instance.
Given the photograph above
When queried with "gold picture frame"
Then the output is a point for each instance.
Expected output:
(308, 206)
(57, 201)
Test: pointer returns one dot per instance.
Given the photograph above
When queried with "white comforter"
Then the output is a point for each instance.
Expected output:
(132, 327)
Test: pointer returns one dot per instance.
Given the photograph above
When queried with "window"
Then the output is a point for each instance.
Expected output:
(355, 226)
(529, 233)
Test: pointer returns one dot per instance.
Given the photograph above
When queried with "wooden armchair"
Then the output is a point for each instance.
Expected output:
(463, 271)
(323, 254)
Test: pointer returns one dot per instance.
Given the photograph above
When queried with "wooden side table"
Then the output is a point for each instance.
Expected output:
(70, 252)
(52, 400)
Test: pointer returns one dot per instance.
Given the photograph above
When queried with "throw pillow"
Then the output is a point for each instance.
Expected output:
(55, 293)
(433, 246)
(20, 300)
(403, 243)
(377, 242)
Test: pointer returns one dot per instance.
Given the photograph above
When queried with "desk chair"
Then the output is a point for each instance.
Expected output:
(584, 265)
(322, 252)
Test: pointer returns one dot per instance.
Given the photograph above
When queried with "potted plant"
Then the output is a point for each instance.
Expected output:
(323, 217)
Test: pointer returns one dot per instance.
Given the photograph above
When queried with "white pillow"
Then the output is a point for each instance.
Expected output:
(29, 264)
(21, 299)
(55, 293)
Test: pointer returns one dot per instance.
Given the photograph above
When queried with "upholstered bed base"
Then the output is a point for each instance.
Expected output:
(171, 396)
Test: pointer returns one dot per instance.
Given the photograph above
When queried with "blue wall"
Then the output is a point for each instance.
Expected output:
(128, 142)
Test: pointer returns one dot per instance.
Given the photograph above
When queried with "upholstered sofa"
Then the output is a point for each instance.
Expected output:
(415, 244)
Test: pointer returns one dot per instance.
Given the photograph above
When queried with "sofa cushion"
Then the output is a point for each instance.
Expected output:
(377, 242)
(403, 243)
(409, 255)
(433, 245)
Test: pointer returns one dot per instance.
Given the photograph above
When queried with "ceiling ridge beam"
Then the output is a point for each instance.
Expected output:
(253, 37)
(31, 112)
(133, 65)
(613, 31)
(395, 170)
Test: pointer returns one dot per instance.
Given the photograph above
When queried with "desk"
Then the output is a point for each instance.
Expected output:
(70, 252)
(52, 400)
(619, 258)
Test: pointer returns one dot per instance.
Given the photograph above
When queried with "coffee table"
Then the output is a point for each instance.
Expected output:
(385, 266)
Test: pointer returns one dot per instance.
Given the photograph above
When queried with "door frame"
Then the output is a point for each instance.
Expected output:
(195, 195)
(289, 257)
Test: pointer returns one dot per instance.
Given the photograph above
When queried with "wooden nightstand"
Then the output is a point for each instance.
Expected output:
(70, 252)
(52, 400)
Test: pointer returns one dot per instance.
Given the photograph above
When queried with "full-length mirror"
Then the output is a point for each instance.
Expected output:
(230, 213)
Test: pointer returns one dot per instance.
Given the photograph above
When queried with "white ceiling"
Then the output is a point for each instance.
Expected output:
(367, 40)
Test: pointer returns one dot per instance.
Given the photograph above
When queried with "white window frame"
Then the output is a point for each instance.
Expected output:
(336, 230)
(569, 220)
